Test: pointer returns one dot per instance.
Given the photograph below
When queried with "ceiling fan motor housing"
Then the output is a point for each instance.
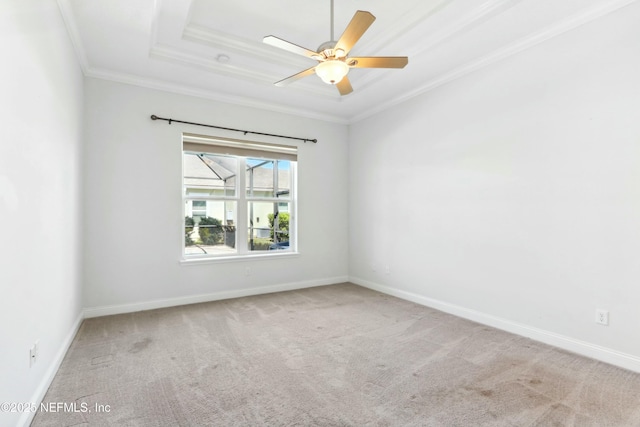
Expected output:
(328, 50)
(327, 45)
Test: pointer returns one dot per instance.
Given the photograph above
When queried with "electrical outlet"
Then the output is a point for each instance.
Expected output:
(602, 317)
(33, 354)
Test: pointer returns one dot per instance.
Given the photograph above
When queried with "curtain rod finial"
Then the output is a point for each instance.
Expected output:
(154, 117)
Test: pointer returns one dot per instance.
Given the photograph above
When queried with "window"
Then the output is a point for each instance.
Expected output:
(238, 197)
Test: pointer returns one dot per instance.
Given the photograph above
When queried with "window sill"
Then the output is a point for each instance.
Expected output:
(236, 258)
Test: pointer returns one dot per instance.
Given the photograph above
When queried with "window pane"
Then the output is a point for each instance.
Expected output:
(284, 179)
(198, 210)
(268, 226)
(268, 178)
(209, 227)
(209, 174)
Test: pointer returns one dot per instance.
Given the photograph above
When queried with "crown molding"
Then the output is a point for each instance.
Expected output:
(418, 14)
(469, 20)
(511, 49)
(210, 95)
(473, 17)
(176, 56)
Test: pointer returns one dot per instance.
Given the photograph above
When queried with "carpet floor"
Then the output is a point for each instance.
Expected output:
(338, 355)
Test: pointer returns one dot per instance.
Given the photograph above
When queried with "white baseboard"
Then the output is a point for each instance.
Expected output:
(27, 417)
(215, 296)
(583, 348)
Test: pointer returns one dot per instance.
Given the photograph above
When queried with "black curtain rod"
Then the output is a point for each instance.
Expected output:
(154, 117)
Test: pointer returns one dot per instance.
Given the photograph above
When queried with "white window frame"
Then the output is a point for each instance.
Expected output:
(241, 150)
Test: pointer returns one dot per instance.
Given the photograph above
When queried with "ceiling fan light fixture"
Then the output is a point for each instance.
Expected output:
(333, 56)
(331, 72)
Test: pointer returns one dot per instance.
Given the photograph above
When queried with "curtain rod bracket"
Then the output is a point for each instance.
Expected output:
(154, 117)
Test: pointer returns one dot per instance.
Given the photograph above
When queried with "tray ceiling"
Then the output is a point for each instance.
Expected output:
(214, 49)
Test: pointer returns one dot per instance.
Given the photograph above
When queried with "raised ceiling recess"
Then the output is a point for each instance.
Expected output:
(215, 49)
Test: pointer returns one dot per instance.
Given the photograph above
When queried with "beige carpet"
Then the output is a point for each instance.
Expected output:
(337, 355)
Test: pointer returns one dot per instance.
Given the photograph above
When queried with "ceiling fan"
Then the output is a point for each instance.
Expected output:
(332, 56)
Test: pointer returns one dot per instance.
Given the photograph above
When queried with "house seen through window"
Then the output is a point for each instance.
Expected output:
(239, 197)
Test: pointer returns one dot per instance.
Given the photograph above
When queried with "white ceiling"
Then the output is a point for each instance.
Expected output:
(175, 45)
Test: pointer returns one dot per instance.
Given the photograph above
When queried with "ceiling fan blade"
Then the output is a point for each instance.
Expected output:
(295, 77)
(344, 86)
(294, 48)
(356, 28)
(378, 62)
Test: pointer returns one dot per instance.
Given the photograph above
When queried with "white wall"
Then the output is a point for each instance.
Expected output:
(40, 139)
(133, 209)
(512, 196)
